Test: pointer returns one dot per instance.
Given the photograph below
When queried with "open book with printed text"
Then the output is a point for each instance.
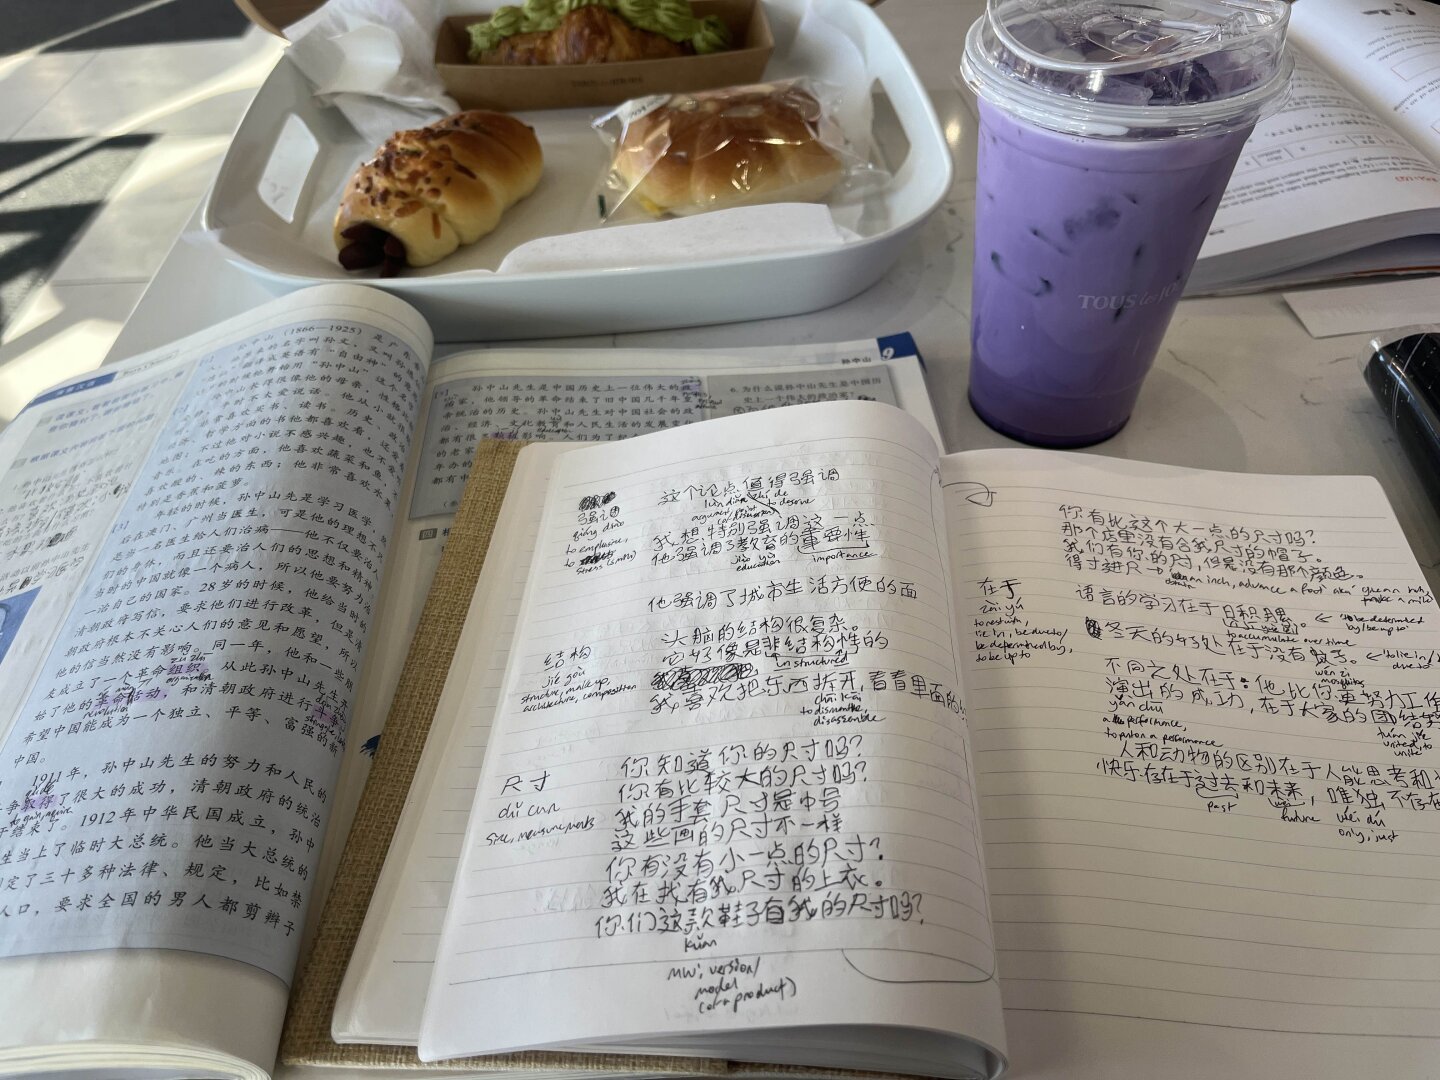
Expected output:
(1345, 179)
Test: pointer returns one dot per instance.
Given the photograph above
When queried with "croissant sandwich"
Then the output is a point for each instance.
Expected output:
(431, 189)
(594, 32)
(722, 148)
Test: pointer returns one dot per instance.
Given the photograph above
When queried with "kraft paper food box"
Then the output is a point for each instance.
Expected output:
(515, 88)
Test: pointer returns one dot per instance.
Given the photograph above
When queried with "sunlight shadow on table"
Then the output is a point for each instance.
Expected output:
(67, 324)
(58, 338)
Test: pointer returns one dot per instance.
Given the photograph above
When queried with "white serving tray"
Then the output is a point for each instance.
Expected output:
(279, 229)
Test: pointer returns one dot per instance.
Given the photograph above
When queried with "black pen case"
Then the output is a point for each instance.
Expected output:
(1402, 368)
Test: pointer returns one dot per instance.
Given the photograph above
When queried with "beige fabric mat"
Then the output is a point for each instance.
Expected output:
(306, 1039)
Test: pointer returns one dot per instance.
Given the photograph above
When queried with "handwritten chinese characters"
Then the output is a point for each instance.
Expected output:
(736, 673)
(592, 408)
(1306, 665)
(1202, 744)
(706, 844)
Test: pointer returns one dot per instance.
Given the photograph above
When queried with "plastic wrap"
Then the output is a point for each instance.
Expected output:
(737, 146)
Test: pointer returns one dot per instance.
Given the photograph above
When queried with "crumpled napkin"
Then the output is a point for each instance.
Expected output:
(374, 61)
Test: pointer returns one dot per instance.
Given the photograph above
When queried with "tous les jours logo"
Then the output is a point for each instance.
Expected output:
(1121, 301)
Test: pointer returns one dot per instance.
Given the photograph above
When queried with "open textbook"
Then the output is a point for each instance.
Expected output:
(198, 549)
(1345, 179)
(787, 740)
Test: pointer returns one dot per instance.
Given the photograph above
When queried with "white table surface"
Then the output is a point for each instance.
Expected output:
(1239, 385)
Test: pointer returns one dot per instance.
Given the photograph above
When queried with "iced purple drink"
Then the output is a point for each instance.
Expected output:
(1082, 249)
(1095, 192)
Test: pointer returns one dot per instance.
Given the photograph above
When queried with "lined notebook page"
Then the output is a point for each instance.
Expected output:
(1204, 711)
(728, 785)
(383, 993)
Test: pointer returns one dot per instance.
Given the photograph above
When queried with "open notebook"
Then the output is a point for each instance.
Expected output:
(198, 548)
(799, 742)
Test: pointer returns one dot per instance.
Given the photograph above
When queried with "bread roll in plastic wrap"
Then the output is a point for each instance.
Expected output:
(721, 148)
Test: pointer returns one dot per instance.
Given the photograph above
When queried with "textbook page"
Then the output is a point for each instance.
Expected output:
(1204, 710)
(1320, 177)
(1386, 53)
(181, 645)
(538, 394)
(728, 788)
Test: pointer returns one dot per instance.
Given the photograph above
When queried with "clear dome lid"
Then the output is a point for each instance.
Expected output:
(1109, 68)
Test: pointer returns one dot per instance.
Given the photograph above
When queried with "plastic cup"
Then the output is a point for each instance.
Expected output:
(1108, 132)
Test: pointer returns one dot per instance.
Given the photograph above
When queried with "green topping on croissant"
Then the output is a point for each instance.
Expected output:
(540, 15)
(672, 18)
(506, 21)
(711, 36)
